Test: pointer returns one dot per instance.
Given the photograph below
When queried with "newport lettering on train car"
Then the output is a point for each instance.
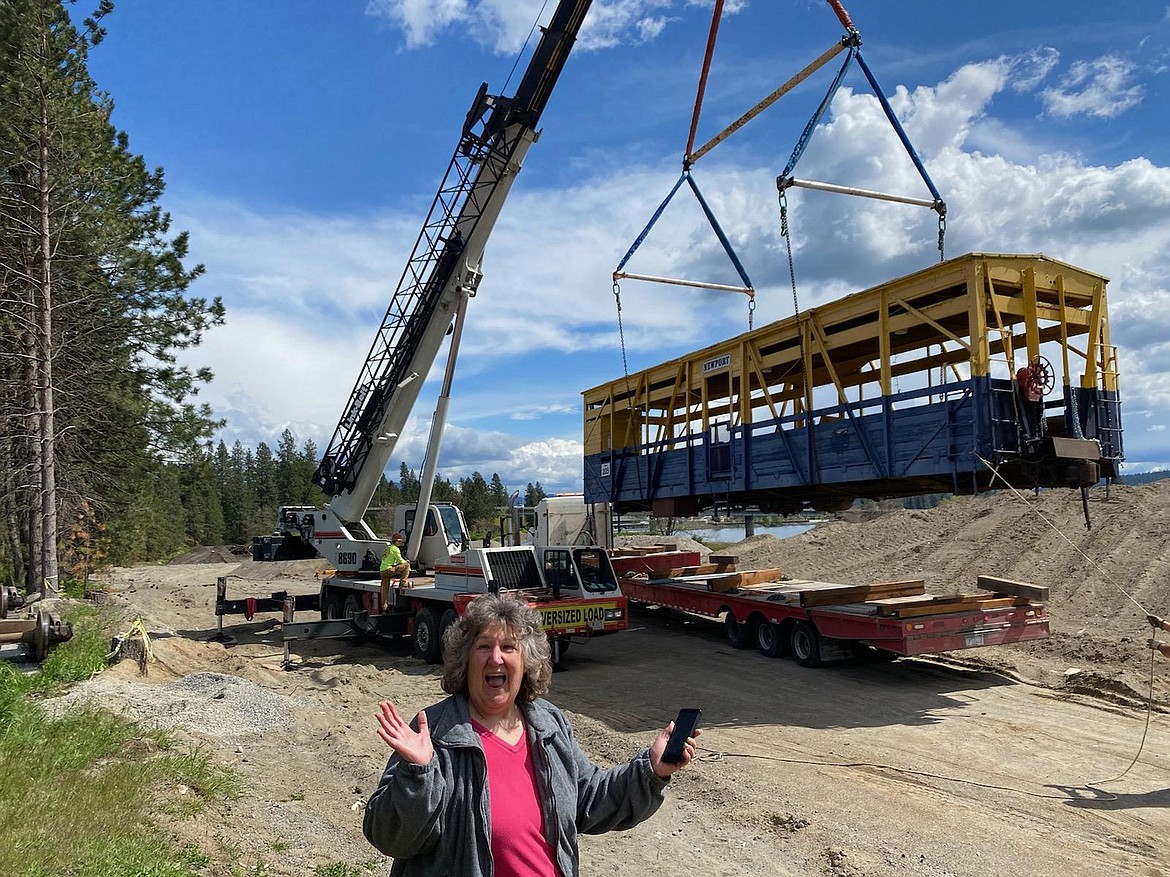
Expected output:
(716, 363)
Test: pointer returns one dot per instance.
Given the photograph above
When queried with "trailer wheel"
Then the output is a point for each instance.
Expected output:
(351, 605)
(330, 605)
(445, 621)
(739, 636)
(425, 642)
(769, 639)
(806, 644)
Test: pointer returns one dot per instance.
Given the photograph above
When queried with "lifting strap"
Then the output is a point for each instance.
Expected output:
(806, 395)
(807, 134)
(842, 15)
(786, 180)
(715, 17)
(899, 130)
(686, 177)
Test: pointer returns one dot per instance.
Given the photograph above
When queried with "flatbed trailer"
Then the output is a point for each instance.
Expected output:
(814, 621)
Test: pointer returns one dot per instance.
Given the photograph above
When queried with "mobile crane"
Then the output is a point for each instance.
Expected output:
(574, 587)
(441, 275)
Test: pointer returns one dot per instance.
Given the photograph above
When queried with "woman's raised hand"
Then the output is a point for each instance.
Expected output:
(413, 746)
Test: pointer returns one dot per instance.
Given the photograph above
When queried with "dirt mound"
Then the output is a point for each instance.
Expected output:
(214, 554)
(260, 571)
(755, 552)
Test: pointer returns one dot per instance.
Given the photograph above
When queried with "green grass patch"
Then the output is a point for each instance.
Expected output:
(341, 869)
(79, 790)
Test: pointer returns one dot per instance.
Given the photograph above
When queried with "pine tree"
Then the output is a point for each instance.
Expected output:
(499, 492)
(444, 491)
(476, 500)
(264, 483)
(533, 494)
(202, 504)
(408, 483)
(94, 290)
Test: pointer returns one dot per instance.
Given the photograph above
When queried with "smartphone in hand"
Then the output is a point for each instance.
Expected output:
(684, 727)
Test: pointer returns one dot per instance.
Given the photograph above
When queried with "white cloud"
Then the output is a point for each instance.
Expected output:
(1030, 69)
(421, 21)
(504, 25)
(1102, 87)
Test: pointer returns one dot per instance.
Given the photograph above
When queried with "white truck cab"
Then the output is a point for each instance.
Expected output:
(444, 533)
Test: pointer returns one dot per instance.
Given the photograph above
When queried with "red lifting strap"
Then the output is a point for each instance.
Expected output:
(842, 14)
(250, 608)
(716, 15)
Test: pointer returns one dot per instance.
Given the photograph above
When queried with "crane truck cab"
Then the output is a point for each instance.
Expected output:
(574, 588)
(444, 533)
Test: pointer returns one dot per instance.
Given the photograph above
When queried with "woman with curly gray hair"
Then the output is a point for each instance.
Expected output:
(491, 780)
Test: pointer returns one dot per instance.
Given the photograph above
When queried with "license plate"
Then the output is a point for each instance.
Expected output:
(975, 639)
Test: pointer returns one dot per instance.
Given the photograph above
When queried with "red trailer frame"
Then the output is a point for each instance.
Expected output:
(766, 617)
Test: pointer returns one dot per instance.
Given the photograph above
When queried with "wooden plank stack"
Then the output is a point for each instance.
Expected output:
(895, 599)
(813, 594)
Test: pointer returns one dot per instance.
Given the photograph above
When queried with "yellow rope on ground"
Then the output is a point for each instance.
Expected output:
(135, 633)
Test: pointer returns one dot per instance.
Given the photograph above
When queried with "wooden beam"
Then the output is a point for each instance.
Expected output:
(643, 550)
(704, 569)
(1015, 589)
(837, 595)
(796, 592)
(945, 605)
(719, 584)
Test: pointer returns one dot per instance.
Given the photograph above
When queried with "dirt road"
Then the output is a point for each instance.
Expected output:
(914, 767)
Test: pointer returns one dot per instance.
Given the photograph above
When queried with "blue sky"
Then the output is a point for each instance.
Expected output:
(303, 142)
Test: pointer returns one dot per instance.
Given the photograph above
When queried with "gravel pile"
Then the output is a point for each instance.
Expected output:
(213, 705)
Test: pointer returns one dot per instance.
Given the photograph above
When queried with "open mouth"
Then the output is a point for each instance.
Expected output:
(496, 681)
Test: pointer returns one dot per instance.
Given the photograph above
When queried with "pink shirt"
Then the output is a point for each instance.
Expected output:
(518, 845)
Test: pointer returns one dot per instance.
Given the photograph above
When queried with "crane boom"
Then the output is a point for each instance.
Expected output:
(443, 271)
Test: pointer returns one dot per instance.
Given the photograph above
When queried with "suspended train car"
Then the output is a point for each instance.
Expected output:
(980, 371)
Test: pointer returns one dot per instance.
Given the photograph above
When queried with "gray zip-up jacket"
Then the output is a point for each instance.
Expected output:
(435, 819)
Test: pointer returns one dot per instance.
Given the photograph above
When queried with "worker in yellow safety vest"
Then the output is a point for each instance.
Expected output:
(394, 566)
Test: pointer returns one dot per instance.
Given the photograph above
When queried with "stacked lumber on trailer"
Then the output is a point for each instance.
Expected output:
(665, 560)
(932, 605)
(811, 594)
(717, 564)
(895, 599)
(720, 583)
(652, 561)
(996, 593)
